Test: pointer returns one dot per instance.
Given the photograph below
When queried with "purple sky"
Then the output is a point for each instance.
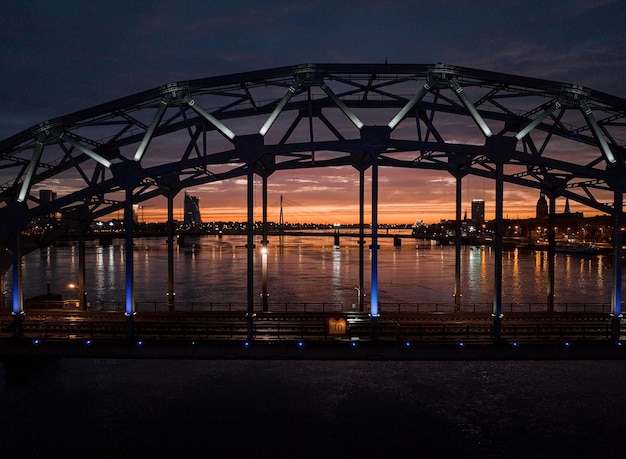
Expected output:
(59, 57)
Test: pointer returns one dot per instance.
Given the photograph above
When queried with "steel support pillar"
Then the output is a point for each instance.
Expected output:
(457, 248)
(361, 290)
(374, 283)
(264, 244)
(18, 298)
(616, 296)
(128, 264)
(497, 248)
(171, 295)
(551, 252)
(82, 292)
(250, 250)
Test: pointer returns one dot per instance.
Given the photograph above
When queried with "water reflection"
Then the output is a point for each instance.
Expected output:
(309, 269)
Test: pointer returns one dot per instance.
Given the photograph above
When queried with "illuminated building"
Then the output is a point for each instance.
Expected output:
(192, 211)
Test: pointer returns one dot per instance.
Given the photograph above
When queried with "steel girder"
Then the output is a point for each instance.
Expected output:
(560, 138)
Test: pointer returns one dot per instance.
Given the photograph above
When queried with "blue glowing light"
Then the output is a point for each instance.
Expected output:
(140, 343)
(246, 344)
(567, 344)
(36, 341)
(300, 344)
(461, 344)
(514, 344)
(353, 343)
(88, 342)
(407, 344)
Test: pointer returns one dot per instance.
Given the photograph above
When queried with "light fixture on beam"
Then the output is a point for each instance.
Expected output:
(402, 113)
(30, 171)
(343, 107)
(147, 138)
(279, 108)
(470, 107)
(593, 124)
(534, 123)
(92, 154)
(211, 119)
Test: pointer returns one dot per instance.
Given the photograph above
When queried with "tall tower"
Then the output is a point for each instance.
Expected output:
(478, 210)
(542, 206)
(567, 211)
(192, 210)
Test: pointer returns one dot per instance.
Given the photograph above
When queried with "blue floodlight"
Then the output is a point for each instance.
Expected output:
(246, 344)
(300, 344)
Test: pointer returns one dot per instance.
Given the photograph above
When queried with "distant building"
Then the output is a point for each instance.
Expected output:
(192, 211)
(542, 206)
(478, 210)
(46, 197)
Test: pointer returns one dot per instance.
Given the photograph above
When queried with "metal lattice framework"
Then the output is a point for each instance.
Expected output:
(560, 138)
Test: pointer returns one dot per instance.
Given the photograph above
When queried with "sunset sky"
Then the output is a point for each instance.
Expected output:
(63, 56)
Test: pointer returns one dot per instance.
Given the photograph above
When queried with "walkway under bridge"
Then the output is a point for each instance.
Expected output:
(515, 130)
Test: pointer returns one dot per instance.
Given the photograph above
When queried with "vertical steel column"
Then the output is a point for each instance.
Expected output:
(18, 298)
(374, 294)
(128, 263)
(250, 249)
(457, 247)
(170, 252)
(264, 243)
(616, 296)
(551, 251)
(361, 291)
(497, 276)
(82, 292)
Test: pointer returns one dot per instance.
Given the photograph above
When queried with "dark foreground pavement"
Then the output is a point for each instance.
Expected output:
(310, 350)
(284, 401)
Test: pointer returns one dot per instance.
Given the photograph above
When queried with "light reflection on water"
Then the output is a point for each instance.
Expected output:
(311, 270)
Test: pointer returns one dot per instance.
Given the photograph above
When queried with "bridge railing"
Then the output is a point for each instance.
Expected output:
(286, 328)
(399, 307)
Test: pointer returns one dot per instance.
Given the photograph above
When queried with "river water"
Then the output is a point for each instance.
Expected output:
(309, 269)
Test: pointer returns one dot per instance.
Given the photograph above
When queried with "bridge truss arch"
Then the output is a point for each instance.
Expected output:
(559, 138)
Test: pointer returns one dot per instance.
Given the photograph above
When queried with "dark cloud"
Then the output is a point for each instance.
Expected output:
(59, 57)
(63, 56)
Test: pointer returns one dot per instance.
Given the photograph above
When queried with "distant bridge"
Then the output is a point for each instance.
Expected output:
(361, 116)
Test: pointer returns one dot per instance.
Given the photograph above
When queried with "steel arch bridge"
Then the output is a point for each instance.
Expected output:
(562, 139)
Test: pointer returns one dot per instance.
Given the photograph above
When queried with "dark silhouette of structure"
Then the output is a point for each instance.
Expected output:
(518, 131)
(192, 211)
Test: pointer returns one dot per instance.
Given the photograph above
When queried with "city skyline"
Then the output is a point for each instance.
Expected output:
(294, 213)
(60, 60)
